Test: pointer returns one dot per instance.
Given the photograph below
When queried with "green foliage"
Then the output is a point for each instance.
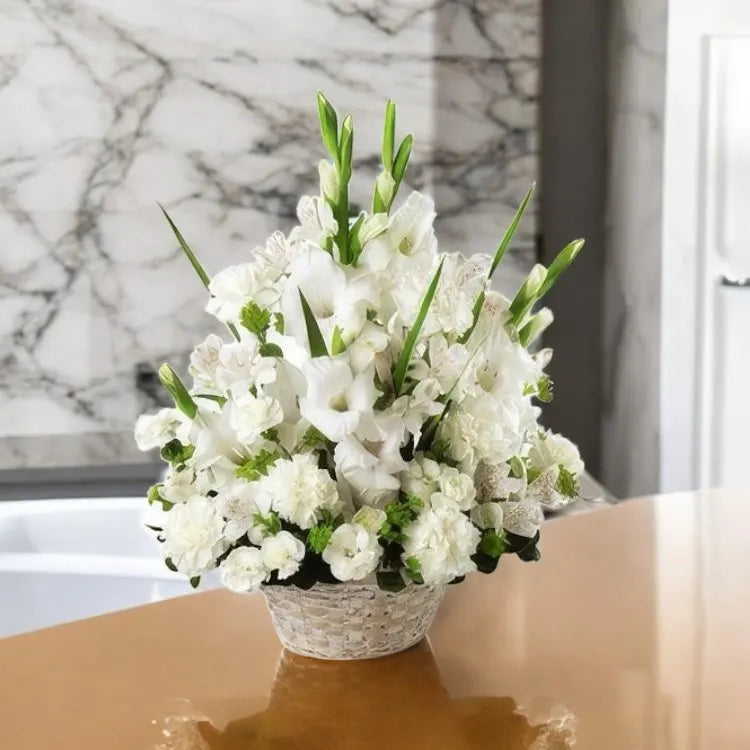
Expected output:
(399, 373)
(220, 400)
(394, 163)
(510, 231)
(311, 440)
(544, 388)
(314, 336)
(562, 260)
(567, 483)
(319, 536)
(517, 467)
(390, 580)
(175, 453)
(337, 342)
(328, 127)
(270, 350)
(258, 465)
(269, 525)
(256, 319)
(173, 385)
(492, 543)
(278, 322)
(195, 581)
(413, 570)
(399, 514)
(168, 562)
(154, 496)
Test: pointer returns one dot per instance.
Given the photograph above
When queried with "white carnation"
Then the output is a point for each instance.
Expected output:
(421, 477)
(243, 570)
(299, 490)
(352, 552)
(282, 553)
(456, 489)
(155, 430)
(251, 415)
(443, 542)
(193, 536)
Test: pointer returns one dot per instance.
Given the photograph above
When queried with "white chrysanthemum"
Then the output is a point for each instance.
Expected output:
(240, 503)
(155, 430)
(251, 415)
(338, 401)
(371, 518)
(477, 431)
(443, 542)
(243, 570)
(282, 553)
(352, 552)
(204, 360)
(232, 288)
(299, 490)
(456, 489)
(193, 536)
(522, 517)
(488, 516)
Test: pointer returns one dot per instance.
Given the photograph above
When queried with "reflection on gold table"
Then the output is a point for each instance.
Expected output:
(633, 632)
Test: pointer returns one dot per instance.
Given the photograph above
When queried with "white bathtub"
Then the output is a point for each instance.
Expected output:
(62, 560)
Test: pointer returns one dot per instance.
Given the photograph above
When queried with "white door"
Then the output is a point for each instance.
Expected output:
(705, 388)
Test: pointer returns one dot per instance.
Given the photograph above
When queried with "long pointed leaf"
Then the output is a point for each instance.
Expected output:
(399, 373)
(314, 336)
(172, 383)
(194, 262)
(389, 135)
(562, 260)
(510, 231)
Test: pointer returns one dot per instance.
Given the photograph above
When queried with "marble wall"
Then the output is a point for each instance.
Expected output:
(209, 108)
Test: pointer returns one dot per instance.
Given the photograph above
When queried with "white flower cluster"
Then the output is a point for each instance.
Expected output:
(373, 411)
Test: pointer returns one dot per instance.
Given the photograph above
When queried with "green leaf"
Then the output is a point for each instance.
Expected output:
(536, 325)
(517, 467)
(175, 453)
(172, 383)
(528, 294)
(355, 243)
(510, 231)
(562, 260)
(492, 544)
(269, 525)
(220, 400)
(544, 389)
(389, 580)
(194, 262)
(567, 483)
(319, 536)
(314, 336)
(328, 127)
(337, 343)
(402, 158)
(255, 318)
(257, 466)
(413, 570)
(195, 581)
(389, 135)
(346, 147)
(399, 374)
(278, 322)
(168, 562)
(154, 496)
(270, 350)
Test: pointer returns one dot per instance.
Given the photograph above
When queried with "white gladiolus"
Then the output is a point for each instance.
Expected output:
(358, 401)
(243, 570)
(193, 536)
(353, 552)
(282, 553)
(300, 491)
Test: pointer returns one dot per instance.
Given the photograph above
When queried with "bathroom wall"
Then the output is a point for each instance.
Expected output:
(108, 107)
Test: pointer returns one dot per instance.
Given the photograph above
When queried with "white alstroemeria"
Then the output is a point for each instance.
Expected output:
(371, 518)
(250, 416)
(282, 553)
(556, 464)
(339, 402)
(155, 430)
(240, 504)
(352, 552)
(450, 366)
(193, 536)
(371, 470)
(522, 517)
(300, 491)
(243, 570)
(276, 255)
(421, 477)
(488, 516)
(456, 489)
(232, 288)
(339, 297)
(316, 221)
(442, 541)
(475, 432)
(370, 341)
(415, 408)
(495, 482)
(204, 360)
(241, 365)
(492, 318)
(504, 368)
(549, 450)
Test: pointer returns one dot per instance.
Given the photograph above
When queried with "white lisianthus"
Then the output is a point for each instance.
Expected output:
(282, 553)
(155, 430)
(193, 536)
(233, 287)
(300, 491)
(442, 541)
(243, 570)
(456, 489)
(240, 504)
(353, 552)
(488, 516)
(370, 518)
(251, 415)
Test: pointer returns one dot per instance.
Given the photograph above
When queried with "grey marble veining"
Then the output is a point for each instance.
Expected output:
(209, 108)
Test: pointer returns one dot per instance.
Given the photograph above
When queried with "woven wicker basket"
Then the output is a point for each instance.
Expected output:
(351, 620)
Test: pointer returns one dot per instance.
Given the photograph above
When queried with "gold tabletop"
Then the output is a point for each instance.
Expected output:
(632, 632)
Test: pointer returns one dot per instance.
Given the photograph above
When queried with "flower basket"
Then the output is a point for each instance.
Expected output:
(351, 620)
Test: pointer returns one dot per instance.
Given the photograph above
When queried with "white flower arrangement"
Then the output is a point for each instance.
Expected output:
(374, 411)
